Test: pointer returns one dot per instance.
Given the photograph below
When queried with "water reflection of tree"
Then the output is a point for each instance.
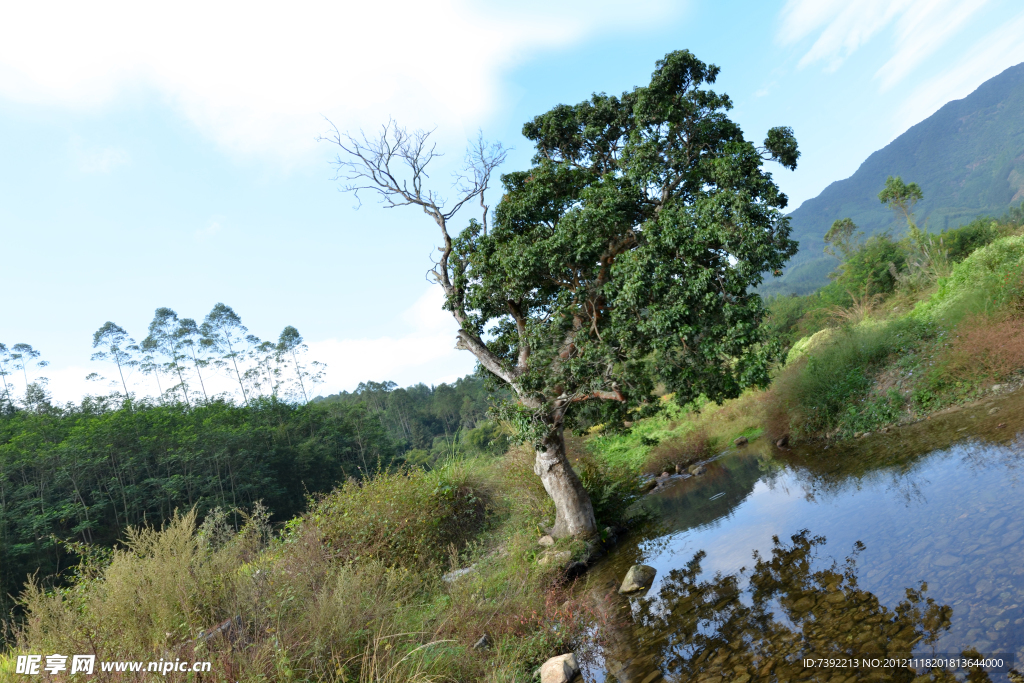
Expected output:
(721, 630)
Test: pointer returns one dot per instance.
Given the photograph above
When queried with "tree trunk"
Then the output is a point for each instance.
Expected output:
(574, 514)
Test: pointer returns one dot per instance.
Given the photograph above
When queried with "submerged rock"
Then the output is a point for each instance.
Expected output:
(560, 669)
(639, 577)
(697, 470)
(742, 441)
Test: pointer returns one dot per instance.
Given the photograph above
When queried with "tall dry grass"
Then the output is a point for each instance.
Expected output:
(984, 347)
(351, 591)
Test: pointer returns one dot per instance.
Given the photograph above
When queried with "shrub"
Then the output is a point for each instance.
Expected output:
(989, 279)
(961, 242)
(784, 315)
(868, 270)
(405, 518)
(487, 438)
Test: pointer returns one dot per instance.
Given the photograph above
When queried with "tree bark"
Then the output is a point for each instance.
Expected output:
(574, 513)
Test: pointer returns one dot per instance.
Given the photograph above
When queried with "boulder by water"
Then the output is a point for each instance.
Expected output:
(559, 558)
(560, 669)
(639, 577)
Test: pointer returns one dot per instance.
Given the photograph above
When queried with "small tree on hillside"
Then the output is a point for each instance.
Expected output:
(928, 258)
(901, 198)
(620, 262)
(843, 239)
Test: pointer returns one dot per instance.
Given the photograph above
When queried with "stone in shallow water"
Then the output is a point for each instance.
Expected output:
(639, 577)
(1011, 537)
(803, 604)
(946, 560)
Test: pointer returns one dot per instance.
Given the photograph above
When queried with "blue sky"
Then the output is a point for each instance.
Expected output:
(167, 156)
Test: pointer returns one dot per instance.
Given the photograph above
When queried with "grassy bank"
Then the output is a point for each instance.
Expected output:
(352, 590)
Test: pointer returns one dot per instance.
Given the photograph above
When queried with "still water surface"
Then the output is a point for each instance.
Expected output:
(859, 524)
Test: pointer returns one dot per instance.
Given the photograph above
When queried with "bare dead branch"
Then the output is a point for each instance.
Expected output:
(392, 164)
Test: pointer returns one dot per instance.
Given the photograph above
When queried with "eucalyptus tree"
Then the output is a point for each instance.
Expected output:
(115, 346)
(22, 356)
(162, 339)
(5, 359)
(187, 335)
(291, 345)
(620, 262)
(223, 332)
(266, 359)
(148, 364)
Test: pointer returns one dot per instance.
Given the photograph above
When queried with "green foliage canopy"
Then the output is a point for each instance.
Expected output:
(622, 258)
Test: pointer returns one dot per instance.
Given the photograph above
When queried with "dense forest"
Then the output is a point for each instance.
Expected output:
(423, 422)
(84, 473)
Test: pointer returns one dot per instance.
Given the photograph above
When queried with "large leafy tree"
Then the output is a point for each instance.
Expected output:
(620, 263)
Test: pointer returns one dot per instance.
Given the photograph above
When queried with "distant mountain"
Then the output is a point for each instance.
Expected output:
(968, 158)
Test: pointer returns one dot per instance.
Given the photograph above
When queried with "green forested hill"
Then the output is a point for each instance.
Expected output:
(968, 158)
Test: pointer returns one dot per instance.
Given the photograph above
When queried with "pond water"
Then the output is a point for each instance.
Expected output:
(840, 535)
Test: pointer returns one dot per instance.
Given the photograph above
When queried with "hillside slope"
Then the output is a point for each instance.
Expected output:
(968, 158)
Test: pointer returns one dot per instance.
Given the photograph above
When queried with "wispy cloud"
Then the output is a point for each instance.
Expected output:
(258, 77)
(841, 27)
(97, 159)
(991, 55)
(921, 32)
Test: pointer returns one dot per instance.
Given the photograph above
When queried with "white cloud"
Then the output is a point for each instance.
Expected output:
(991, 55)
(424, 351)
(921, 33)
(258, 76)
(843, 26)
